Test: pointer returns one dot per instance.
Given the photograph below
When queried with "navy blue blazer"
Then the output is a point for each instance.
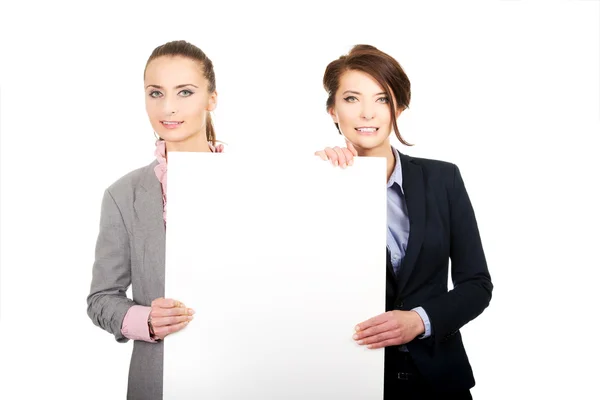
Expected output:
(442, 228)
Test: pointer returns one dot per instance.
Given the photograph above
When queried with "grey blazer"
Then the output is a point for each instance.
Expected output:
(130, 250)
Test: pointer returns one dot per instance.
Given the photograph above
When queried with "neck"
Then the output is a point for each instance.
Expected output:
(195, 143)
(384, 150)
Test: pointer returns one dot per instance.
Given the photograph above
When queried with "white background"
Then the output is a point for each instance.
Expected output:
(508, 90)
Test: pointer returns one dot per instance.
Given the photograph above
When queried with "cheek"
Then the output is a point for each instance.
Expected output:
(151, 107)
(345, 116)
(195, 109)
(197, 115)
(385, 115)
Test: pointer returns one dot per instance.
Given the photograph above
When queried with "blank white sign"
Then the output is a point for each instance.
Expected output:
(280, 258)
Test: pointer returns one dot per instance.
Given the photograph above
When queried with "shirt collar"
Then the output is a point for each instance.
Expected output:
(396, 176)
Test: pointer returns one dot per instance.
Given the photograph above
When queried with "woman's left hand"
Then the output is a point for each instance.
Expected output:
(389, 329)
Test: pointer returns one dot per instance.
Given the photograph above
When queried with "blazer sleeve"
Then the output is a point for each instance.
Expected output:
(111, 275)
(473, 287)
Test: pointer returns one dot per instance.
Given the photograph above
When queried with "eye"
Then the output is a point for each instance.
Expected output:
(351, 99)
(154, 94)
(384, 100)
(186, 93)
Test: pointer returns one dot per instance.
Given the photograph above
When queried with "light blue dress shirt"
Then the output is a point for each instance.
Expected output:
(399, 229)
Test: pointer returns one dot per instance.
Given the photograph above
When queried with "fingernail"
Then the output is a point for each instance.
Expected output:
(360, 342)
(370, 346)
(335, 163)
(351, 162)
(355, 337)
(191, 317)
(191, 312)
(357, 328)
(343, 165)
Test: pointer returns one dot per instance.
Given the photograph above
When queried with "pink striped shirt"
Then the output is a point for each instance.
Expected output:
(135, 323)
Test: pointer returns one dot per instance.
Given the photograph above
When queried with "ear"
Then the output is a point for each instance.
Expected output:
(333, 114)
(212, 101)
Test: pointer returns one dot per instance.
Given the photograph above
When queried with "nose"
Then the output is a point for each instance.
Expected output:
(169, 106)
(367, 112)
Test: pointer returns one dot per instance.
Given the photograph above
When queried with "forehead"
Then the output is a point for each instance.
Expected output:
(171, 71)
(360, 82)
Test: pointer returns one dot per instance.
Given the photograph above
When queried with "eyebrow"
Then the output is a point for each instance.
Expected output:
(176, 87)
(353, 92)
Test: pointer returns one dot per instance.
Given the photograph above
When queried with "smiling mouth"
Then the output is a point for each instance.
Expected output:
(367, 129)
(171, 124)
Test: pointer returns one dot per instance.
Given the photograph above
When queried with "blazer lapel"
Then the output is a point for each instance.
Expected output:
(414, 193)
(150, 231)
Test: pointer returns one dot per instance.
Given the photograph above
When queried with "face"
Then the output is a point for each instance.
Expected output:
(177, 99)
(362, 111)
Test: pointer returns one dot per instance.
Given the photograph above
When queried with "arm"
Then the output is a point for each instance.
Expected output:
(426, 323)
(472, 283)
(135, 324)
(111, 274)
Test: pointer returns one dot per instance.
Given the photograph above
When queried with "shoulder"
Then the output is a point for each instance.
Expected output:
(431, 164)
(432, 168)
(126, 186)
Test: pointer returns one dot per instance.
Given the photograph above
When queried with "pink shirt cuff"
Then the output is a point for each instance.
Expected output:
(135, 324)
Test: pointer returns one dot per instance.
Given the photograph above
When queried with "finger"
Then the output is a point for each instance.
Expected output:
(379, 319)
(157, 301)
(170, 312)
(341, 156)
(380, 337)
(332, 155)
(389, 342)
(350, 147)
(164, 331)
(321, 154)
(348, 155)
(166, 303)
(164, 321)
(375, 330)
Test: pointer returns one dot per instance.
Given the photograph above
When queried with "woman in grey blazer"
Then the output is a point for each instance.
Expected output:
(180, 88)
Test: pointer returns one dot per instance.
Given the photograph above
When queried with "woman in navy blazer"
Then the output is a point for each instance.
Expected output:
(430, 222)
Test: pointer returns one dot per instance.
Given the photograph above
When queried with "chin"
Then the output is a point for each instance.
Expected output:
(174, 136)
(367, 143)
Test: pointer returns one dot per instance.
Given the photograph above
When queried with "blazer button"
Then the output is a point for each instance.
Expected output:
(401, 304)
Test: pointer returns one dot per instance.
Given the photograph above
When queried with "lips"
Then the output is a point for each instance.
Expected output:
(367, 130)
(171, 124)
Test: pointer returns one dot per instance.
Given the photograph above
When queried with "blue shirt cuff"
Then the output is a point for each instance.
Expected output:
(425, 318)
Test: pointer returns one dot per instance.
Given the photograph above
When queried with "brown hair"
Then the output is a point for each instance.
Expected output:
(382, 67)
(184, 49)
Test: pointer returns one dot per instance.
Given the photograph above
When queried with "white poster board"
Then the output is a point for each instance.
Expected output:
(280, 257)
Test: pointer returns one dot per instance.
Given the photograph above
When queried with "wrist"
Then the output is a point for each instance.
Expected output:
(418, 324)
(151, 328)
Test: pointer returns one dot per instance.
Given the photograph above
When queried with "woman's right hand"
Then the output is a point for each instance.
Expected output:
(168, 316)
(342, 156)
